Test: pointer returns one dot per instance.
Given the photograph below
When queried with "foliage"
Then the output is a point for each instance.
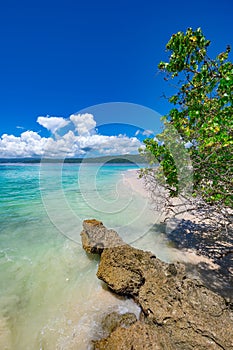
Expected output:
(202, 117)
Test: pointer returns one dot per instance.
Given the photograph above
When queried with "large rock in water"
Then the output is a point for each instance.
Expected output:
(96, 237)
(177, 312)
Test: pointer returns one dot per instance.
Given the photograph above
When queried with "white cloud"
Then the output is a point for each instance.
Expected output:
(144, 132)
(147, 132)
(84, 123)
(27, 145)
(52, 123)
(110, 144)
(31, 144)
(30, 136)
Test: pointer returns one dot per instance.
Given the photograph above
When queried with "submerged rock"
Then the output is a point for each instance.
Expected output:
(177, 312)
(115, 320)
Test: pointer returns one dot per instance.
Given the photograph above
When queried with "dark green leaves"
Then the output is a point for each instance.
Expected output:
(202, 117)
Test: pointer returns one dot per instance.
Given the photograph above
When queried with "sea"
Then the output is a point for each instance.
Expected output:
(50, 297)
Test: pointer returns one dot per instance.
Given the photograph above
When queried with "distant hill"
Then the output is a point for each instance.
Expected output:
(120, 159)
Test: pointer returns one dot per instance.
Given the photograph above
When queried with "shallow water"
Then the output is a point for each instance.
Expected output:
(50, 297)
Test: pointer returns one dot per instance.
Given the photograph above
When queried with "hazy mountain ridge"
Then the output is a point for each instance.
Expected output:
(127, 158)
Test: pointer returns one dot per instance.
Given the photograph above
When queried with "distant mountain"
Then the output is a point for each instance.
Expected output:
(120, 159)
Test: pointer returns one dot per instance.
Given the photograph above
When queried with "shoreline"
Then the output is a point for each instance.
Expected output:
(130, 178)
(194, 244)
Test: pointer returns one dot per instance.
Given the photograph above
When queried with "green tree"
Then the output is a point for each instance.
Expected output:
(202, 116)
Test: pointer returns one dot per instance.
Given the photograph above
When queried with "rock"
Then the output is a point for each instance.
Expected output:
(177, 312)
(129, 278)
(139, 336)
(115, 320)
(190, 314)
(96, 237)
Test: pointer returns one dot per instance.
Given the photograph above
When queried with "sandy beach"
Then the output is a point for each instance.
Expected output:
(190, 239)
(131, 179)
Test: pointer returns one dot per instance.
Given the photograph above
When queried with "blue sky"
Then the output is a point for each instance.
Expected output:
(60, 57)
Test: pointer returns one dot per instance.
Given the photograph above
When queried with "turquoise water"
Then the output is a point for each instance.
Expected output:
(49, 295)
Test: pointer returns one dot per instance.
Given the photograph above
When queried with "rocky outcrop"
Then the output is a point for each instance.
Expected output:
(177, 312)
(140, 336)
(96, 237)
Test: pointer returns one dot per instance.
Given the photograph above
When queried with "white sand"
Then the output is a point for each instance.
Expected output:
(131, 179)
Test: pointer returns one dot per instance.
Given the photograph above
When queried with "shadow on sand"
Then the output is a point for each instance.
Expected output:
(207, 241)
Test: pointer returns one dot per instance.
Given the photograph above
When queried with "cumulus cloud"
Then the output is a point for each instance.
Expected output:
(28, 144)
(80, 142)
(84, 123)
(52, 123)
(109, 144)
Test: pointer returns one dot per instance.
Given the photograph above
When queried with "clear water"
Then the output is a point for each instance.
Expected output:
(50, 297)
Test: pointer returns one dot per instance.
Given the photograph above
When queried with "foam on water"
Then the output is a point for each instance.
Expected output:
(50, 297)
